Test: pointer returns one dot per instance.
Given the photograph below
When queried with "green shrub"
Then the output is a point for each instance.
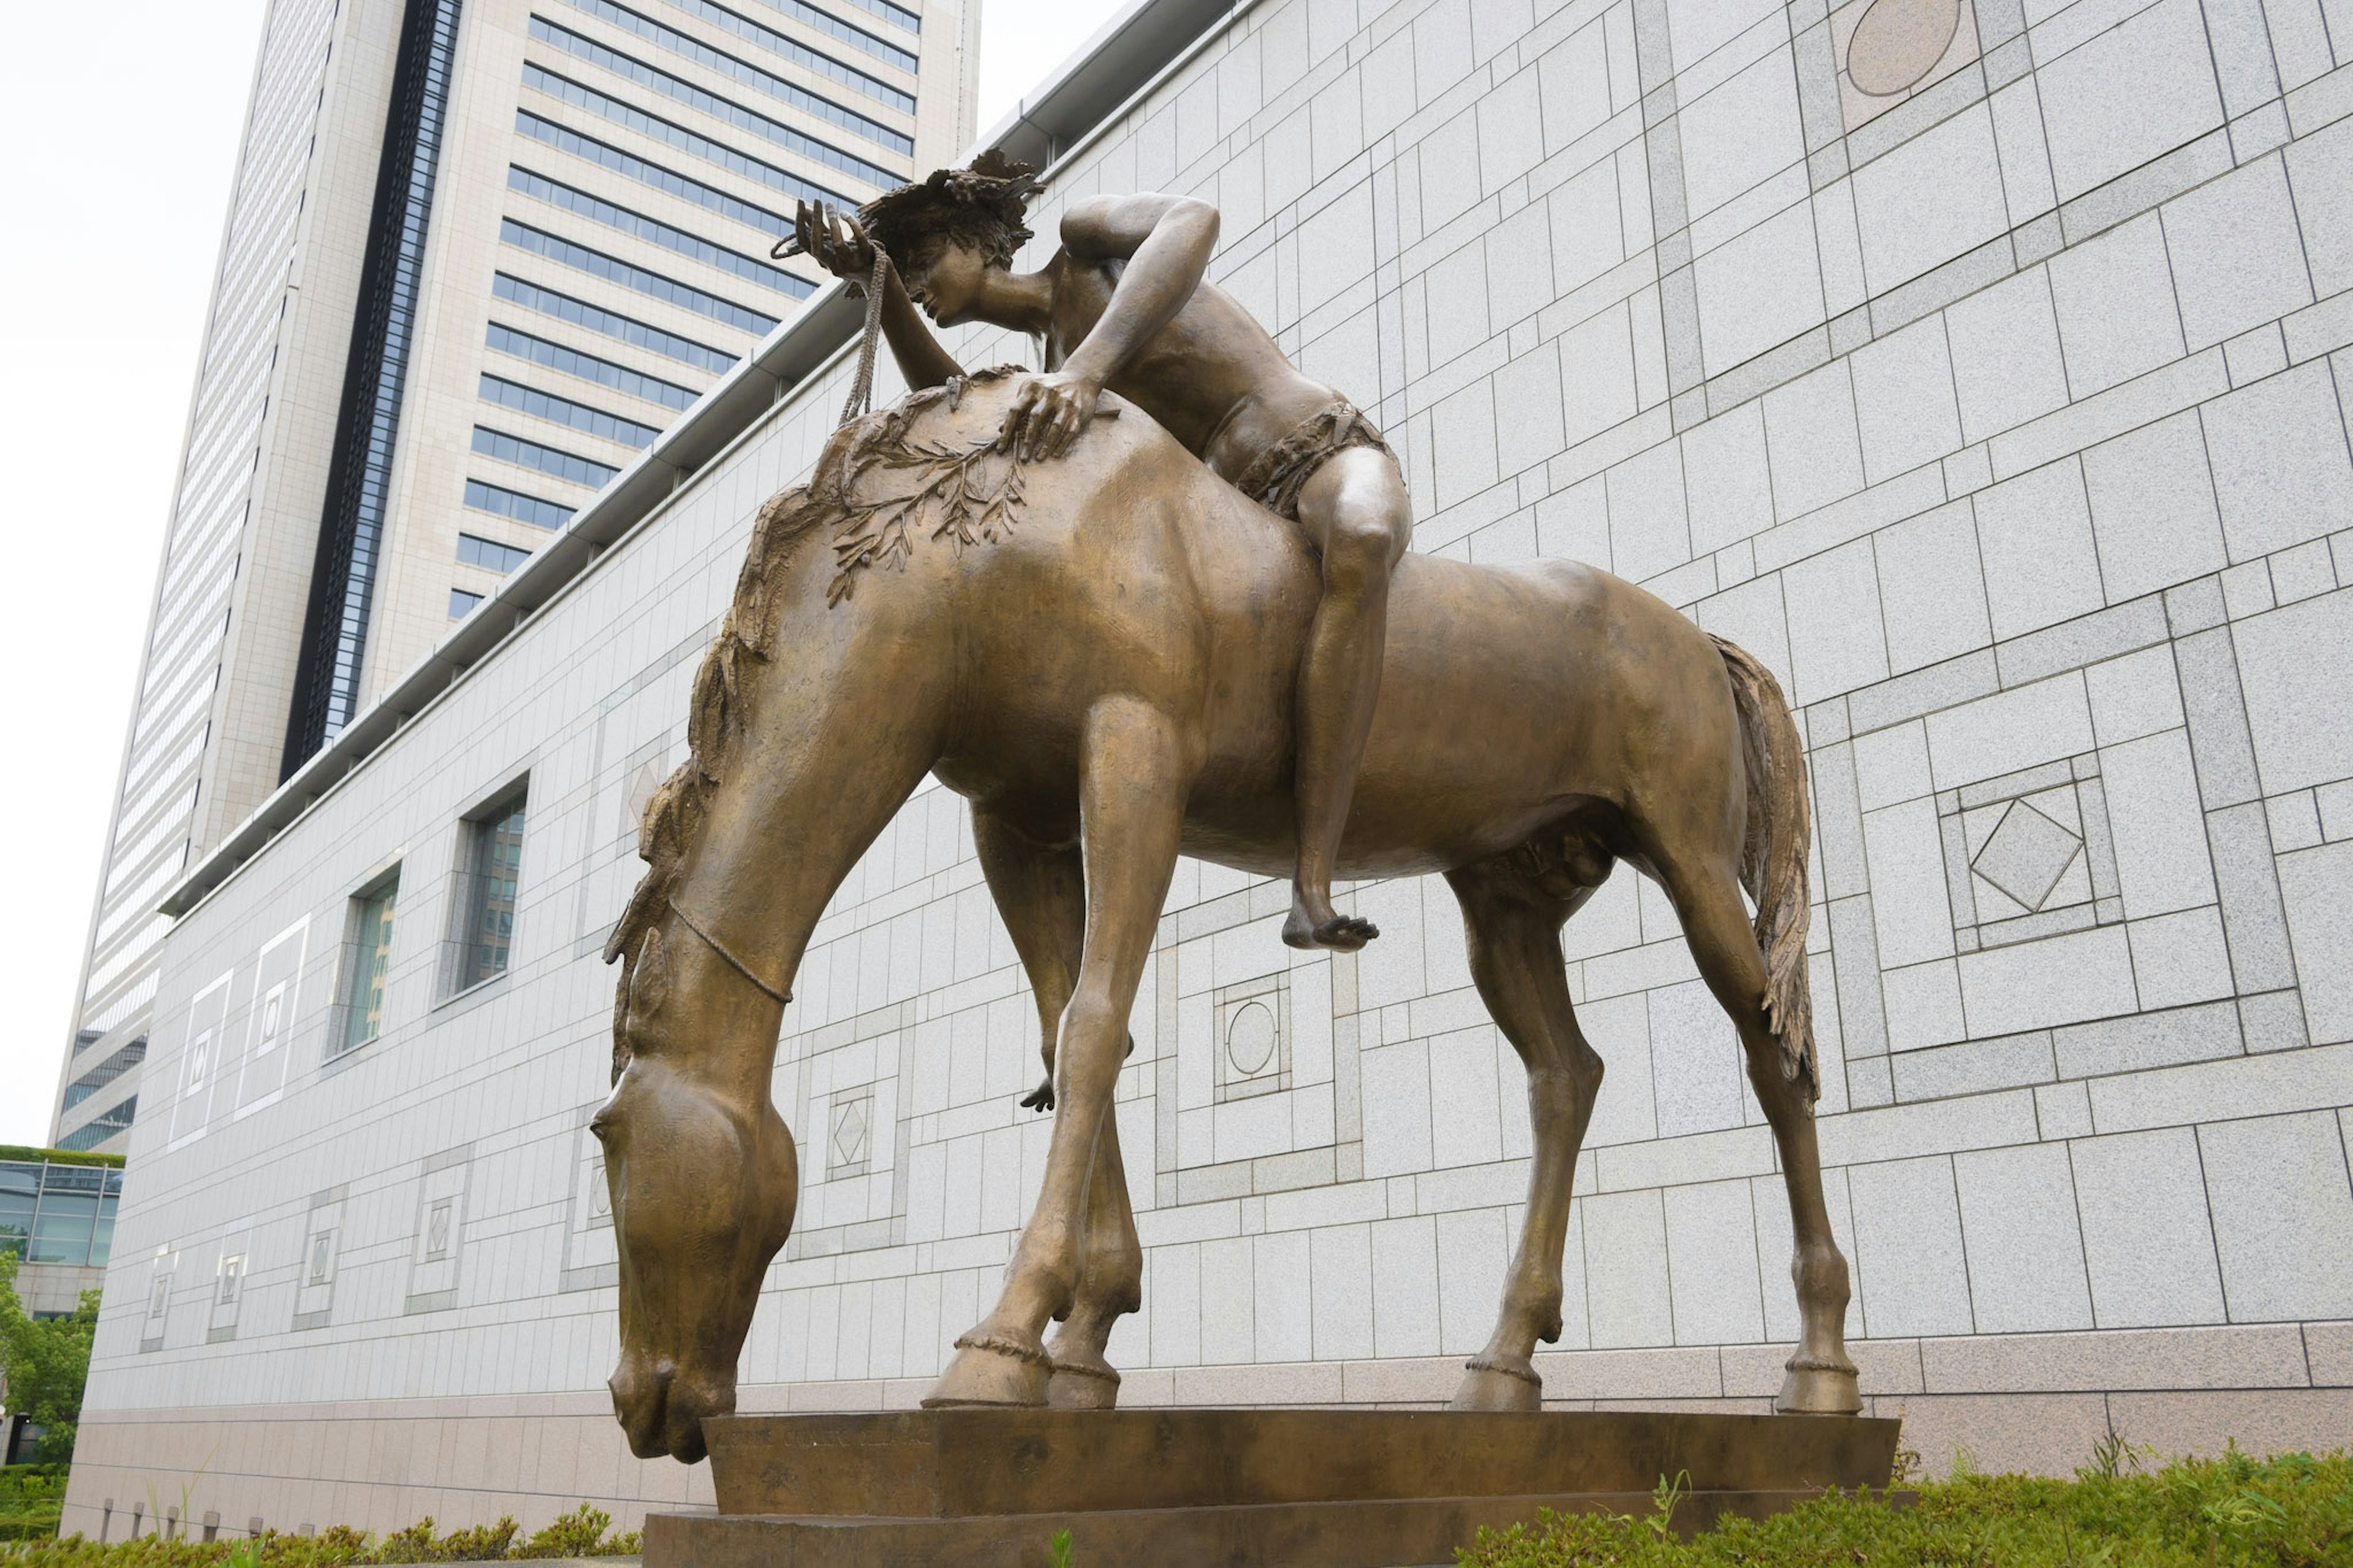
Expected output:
(45, 1362)
(2291, 1511)
(580, 1534)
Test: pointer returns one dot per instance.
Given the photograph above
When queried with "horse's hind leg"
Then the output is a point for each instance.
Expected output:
(1822, 1379)
(1514, 930)
(1136, 771)
(1041, 894)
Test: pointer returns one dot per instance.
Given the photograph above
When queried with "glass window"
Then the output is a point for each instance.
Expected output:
(495, 869)
(566, 139)
(490, 553)
(462, 603)
(619, 328)
(596, 264)
(525, 454)
(105, 1125)
(751, 32)
(589, 367)
(370, 955)
(20, 1185)
(638, 225)
(502, 502)
(546, 405)
(61, 1234)
(106, 1072)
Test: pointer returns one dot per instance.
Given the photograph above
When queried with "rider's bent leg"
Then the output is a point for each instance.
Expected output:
(1356, 510)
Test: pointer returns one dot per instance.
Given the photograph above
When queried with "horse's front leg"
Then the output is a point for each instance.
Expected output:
(1136, 773)
(1040, 895)
(1111, 1285)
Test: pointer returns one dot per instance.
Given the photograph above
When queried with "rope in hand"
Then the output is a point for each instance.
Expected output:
(861, 390)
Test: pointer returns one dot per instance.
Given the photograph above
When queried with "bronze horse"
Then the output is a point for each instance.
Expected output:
(1099, 652)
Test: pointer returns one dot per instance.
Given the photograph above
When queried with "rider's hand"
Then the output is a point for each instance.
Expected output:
(1050, 411)
(835, 240)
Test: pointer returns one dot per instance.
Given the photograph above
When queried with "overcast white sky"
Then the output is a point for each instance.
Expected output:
(121, 124)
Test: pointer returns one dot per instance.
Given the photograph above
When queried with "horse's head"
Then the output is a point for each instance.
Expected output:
(702, 1198)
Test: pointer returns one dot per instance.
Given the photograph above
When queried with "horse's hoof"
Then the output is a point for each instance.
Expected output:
(1816, 1387)
(992, 1369)
(1340, 933)
(1082, 1383)
(1492, 1383)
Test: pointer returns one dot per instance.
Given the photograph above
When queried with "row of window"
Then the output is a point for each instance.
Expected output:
(563, 465)
(813, 60)
(613, 269)
(692, 142)
(482, 928)
(749, 31)
(638, 225)
(630, 166)
(505, 340)
(500, 501)
(116, 1064)
(463, 603)
(791, 94)
(475, 550)
(564, 411)
(825, 22)
(114, 1119)
(607, 323)
(52, 1213)
(898, 15)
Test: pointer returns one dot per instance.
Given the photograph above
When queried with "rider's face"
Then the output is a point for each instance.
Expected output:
(947, 282)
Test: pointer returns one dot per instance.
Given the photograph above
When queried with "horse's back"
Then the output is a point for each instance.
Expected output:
(1508, 693)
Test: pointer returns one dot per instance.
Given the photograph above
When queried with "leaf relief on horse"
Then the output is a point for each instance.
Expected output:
(891, 483)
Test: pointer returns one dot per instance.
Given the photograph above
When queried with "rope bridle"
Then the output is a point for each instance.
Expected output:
(861, 390)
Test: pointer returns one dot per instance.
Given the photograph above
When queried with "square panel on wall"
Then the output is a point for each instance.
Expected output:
(439, 1238)
(323, 1233)
(591, 1254)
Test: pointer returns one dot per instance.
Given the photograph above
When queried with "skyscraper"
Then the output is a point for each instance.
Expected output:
(478, 252)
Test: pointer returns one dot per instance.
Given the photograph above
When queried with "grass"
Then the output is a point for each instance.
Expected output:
(581, 1533)
(31, 1497)
(2290, 1511)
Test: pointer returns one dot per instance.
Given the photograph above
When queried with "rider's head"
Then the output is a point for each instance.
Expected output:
(944, 232)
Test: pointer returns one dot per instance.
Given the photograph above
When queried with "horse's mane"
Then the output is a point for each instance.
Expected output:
(873, 526)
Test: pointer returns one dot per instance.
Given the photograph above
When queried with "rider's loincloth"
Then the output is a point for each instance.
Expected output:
(1277, 475)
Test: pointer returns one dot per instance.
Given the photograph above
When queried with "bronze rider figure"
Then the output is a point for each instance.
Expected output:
(1123, 306)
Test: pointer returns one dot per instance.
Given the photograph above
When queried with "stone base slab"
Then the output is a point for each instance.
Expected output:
(2015, 1402)
(1353, 1489)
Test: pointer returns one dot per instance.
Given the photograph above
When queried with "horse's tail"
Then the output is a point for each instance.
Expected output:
(1773, 856)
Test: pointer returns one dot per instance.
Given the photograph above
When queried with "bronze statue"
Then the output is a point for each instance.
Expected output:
(1107, 649)
(1123, 307)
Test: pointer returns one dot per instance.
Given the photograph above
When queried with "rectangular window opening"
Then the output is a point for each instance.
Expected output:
(491, 870)
(367, 959)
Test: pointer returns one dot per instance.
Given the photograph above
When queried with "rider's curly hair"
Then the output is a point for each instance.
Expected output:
(981, 206)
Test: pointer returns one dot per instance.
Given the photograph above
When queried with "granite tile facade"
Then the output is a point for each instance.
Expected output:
(2005, 418)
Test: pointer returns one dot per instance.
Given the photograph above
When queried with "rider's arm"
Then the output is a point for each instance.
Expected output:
(1165, 241)
(834, 242)
(920, 358)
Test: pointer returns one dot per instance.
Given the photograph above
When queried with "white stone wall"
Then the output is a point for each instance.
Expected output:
(2004, 417)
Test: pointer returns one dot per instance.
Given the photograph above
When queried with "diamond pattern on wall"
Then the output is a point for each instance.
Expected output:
(2027, 855)
(850, 1118)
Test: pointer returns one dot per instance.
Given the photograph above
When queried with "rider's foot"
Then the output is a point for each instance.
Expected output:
(1311, 926)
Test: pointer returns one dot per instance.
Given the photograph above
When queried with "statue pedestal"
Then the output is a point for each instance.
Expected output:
(1350, 1488)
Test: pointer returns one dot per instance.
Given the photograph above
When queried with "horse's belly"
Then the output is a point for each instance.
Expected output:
(1491, 723)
